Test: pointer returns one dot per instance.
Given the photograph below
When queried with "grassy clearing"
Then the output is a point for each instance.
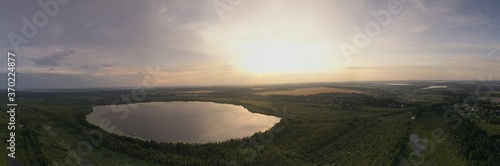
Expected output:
(437, 152)
(491, 129)
(308, 91)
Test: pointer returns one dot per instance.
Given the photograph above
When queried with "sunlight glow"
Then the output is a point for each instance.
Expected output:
(275, 56)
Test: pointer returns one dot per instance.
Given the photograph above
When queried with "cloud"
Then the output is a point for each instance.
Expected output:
(53, 60)
(116, 39)
(455, 21)
(91, 67)
(64, 80)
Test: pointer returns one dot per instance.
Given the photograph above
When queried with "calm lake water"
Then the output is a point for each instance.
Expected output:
(193, 122)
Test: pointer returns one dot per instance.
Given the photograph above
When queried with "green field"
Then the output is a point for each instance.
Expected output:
(491, 129)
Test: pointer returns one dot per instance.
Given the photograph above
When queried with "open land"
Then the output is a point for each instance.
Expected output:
(338, 126)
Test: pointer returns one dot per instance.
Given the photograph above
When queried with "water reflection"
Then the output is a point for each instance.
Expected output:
(185, 121)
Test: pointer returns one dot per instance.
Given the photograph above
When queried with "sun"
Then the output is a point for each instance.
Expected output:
(269, 56)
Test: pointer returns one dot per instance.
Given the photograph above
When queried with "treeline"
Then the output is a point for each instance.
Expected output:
(344, 100)
(474, 143)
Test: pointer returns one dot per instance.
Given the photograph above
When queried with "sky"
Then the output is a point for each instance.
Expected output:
(121, 43)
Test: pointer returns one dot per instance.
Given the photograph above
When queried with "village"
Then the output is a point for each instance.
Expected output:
(485, 111)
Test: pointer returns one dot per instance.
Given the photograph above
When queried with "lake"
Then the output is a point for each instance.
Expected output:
(192, 122)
